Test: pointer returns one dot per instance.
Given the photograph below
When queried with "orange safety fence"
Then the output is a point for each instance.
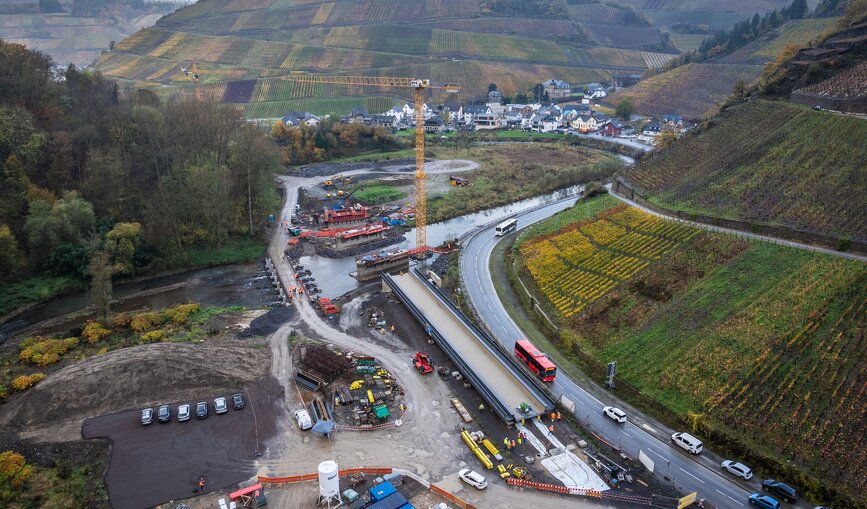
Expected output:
(451, 498)
(635, 499)
(312, 477)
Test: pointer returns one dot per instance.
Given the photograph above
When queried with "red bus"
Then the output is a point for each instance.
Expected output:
(535, 360)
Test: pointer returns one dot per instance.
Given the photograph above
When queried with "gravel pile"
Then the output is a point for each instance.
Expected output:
(271, 321)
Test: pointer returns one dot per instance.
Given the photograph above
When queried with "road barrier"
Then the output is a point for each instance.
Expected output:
(580, 492)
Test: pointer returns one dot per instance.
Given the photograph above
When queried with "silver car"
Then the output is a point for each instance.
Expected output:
(738, 469)
(147, 416)
(220, 406)
(183, 413)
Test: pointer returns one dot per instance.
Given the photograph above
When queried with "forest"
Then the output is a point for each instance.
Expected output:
(95, 183)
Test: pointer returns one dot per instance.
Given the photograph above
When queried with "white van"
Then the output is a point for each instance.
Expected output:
(688, 442)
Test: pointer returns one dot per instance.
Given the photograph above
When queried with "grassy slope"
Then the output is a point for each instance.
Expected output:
(768, 162)
(514, 172)
(691, 90)
(765, 341)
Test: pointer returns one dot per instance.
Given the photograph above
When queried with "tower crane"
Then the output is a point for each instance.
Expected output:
(419, 85)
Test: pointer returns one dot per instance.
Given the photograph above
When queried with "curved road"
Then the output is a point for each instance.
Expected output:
(700, 474)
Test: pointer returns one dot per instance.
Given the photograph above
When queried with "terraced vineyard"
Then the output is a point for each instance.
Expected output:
(798, 32)
(691, 90)
(765, 342)
(579, 264)
(849, 83)
(768, 162)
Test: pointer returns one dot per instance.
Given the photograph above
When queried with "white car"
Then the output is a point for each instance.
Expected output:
(473, 479)
(303, 419)
(615, 413)
(738, 469)
(183, 413)
(220, 406)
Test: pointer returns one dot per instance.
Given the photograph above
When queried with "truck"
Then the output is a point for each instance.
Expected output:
(328, 307)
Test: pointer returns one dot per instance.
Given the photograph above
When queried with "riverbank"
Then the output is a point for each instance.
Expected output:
(22, 296)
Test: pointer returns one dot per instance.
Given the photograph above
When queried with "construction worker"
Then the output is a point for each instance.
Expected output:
(481, 407)
(522, 421)
(553, 416)
(539, 418)
(513, 444)
(392, 328)
(506, 442)
(201, 484)
(519, 440)
(559, 416)
(551, 430)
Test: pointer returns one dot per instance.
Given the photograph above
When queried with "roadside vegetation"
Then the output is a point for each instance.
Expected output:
(100, 186)
(35, 356)
(770, 163)
(512, 172)
(756, 347)
(23, 485)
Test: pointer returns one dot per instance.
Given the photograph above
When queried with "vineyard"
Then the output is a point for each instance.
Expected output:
(691, 90)
(765, 49)
(620, 36)
(765, 342)
(578, 264)
(277, 109)
(771, 163)
(488, 46)
(849, 83)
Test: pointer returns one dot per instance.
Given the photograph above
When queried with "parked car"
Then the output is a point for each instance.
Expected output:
(164, 413)
(147, 416)
(688, 442)
(202, 410)
(303, 419)
(738, 469)
(184, 413)
(764, 501)
(220, 406)
(615, 414)
(237, 401)
(780, 488)
(472, 478)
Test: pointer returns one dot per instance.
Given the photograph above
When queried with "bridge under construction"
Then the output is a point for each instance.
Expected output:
(492, 372)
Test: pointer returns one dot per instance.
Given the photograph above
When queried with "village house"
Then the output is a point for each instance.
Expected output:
(387, 121)
(650, 131)
(358, 116)
(585, 123)
(513, 119)
(299, 118)
(595, 91)
(471, 111)
(544, 123)
(495, 96)
(434, 124)
(611, 128)
(557, 89)
(489, 120)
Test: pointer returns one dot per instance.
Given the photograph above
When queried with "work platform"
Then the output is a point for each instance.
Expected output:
(493, 373)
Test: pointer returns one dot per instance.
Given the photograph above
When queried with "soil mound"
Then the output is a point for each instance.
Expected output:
(271, 321)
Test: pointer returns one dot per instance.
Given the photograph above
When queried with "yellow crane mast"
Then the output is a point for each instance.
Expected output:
(419, 85)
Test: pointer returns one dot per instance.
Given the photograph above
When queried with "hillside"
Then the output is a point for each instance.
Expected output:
(692, 90)
(242, 47)
(764, 343)
(767, 162)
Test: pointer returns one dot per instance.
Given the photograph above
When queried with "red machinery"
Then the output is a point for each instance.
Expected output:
(251, 496)
(327, 307)
(423, 363)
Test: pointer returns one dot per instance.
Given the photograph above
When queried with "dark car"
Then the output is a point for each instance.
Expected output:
(164, 414)
(202, 410)
(781, 489)
(237, 401)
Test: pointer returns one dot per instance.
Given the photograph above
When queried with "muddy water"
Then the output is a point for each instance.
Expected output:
(240, 284)
(332, 275)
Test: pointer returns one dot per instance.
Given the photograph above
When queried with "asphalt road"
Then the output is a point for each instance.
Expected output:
(701, 474)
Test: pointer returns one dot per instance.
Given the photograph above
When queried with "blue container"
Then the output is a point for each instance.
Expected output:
(381, 491)
(394, 501)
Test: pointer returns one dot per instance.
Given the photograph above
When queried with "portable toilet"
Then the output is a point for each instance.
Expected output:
(381, 491)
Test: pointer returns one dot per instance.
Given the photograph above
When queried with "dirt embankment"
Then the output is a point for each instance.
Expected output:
(131, 378)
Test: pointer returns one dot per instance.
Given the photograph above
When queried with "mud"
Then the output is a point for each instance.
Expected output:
(164, 461)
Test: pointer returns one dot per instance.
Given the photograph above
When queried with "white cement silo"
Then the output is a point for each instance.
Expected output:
(329, 484)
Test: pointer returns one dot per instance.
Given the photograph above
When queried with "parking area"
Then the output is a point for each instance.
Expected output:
(164, 461)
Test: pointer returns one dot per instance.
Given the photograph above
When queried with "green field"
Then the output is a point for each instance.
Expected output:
(378, 194)
(768, 162)
(765, 343)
